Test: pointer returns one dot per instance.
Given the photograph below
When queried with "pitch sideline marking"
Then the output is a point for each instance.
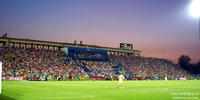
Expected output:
(11, 97)
(84, 96)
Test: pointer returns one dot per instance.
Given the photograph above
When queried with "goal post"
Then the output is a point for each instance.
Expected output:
(0, 77)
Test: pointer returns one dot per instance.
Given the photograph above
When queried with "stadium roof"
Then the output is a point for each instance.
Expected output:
(62, 44)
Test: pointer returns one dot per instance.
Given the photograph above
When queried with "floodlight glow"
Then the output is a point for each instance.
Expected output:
(195, 8)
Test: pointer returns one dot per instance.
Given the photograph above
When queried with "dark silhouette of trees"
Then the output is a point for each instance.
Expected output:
(184, 62)
(198, 64)
(197, 70)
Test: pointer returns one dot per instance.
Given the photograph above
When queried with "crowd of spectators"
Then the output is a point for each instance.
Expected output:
(32, 63)
(37, 63)
(99, 68)
(150, 68)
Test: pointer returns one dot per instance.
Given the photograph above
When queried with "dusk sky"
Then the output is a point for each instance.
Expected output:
(159, 28)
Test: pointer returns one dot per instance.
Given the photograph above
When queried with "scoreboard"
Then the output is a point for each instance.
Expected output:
(126, 46)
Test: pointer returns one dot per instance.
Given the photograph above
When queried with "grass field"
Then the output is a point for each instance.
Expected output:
(101, 90)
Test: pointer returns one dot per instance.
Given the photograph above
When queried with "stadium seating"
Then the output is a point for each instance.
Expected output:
(37, 64)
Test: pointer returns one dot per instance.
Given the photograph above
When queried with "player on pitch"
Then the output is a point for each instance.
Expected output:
(121, 78)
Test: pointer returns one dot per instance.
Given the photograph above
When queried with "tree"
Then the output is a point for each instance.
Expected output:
(183, 61)
(198, 64)
(192, 68)
(198, 68)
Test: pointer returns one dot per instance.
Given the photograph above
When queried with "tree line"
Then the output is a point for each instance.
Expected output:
(184, 62)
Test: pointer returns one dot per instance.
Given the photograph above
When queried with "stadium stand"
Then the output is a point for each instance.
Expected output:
(150, 68)
(50, 64)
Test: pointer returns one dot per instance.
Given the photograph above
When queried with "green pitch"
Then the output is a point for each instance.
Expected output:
(101, 90)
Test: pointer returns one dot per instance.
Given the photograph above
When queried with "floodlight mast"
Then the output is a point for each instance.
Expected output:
(195, 11)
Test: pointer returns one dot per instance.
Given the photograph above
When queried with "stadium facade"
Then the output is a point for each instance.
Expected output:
(38, 44)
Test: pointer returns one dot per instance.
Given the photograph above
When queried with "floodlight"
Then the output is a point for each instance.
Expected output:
(195, 8)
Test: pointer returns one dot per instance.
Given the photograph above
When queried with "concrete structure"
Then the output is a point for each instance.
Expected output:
(38, 44)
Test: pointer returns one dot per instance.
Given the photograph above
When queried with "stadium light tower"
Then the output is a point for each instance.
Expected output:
(195, 11)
